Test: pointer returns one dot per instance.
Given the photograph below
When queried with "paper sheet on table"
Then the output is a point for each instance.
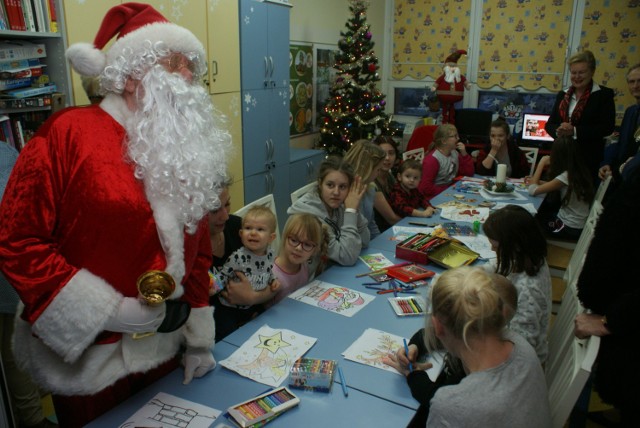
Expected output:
(331, 297)
(268, 355)
(466, 214)
(373, 345)
(376, 261)
(528, 206)
(400, 233)
(167, 411)
(503, 197)
(479, 243)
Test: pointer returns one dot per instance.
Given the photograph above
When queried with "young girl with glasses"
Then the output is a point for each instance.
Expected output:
(304, 237)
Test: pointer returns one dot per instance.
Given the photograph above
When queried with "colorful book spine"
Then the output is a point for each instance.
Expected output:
(16, 50)
(24, 103)
(31, 92)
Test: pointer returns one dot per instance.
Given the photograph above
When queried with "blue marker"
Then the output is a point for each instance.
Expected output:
(343, 382)
(406, 351)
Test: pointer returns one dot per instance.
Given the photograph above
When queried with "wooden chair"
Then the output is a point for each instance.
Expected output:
(269, 202)
(295, 195)
(574, 267)
(532, 156)
(417, 154)
(602, 189)
(570, 359)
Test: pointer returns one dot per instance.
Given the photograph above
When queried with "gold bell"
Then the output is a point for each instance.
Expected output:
(154, 286)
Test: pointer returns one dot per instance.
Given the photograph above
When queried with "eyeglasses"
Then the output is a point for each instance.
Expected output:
(306, 246)
(177, 61)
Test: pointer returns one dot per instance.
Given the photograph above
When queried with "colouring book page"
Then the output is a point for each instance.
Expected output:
(268, 355)
(168, 411)
(528, 206)
(331, 297)
(480, 244)
(376, 261)
(502, 197)
(466, 214)
(372, 347)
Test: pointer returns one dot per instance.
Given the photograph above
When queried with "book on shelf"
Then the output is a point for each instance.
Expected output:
(14, 83)
(12, 50)
(25, 103)
(31, 91)
(20, 64)
(3, 17)
(14, 14)
(52, 14)
(18, 128)
(29, 18)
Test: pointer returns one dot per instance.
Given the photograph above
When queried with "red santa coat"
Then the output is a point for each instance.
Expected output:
(77, 232)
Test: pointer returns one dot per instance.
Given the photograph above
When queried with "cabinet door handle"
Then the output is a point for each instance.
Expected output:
(271, 63)
(214, 68)
(271, 149)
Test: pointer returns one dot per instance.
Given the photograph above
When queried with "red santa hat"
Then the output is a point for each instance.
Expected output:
(454, 57)
(133, 24)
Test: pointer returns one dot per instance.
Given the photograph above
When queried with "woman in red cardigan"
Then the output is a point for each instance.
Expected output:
(447, 159)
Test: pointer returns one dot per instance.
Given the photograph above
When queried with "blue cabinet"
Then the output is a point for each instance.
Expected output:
(264, 45)
(264, 77)
(304, 167)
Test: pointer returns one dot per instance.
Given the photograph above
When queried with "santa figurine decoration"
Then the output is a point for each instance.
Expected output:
(450, 86)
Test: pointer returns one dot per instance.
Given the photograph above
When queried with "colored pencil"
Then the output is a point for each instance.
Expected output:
(343, 382)
(406, 351)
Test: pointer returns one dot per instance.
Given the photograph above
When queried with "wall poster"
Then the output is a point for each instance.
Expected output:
(301, 90)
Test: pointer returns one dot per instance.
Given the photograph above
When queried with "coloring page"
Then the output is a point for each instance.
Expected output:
(480, 244)
(331, 297)
(372, 347)
(268, 355)
(465, 214)
(528, 206)
(376, 261)
(400, 233)
(168, 411)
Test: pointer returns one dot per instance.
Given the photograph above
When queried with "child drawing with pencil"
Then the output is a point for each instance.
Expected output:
(304, 237)
(424, 342)
(404, 197)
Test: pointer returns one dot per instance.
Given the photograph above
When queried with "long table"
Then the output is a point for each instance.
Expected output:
(376, 397)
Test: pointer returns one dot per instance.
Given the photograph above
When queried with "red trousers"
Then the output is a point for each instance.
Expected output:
(78, 410)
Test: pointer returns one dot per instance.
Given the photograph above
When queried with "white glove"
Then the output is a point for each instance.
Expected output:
(532, 189)
(197, 363)
(134, 316)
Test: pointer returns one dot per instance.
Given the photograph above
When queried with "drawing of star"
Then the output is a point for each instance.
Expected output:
(272, 343)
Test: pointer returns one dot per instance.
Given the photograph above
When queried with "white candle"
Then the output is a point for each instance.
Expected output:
(501, 173)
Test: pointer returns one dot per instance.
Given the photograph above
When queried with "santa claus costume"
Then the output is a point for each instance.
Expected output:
(82, 220)
(450, 86)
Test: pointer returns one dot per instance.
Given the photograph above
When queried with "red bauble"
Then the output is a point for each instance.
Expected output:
(372, 67)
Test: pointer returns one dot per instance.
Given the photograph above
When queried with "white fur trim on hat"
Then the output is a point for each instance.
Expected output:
(86, 59)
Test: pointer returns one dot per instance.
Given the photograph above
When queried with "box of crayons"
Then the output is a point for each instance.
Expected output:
(312, 374)
(408, 306)
(263, 408)
(446, 252)
(416, 248)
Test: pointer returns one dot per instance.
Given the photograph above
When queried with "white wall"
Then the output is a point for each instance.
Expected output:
(321, 21)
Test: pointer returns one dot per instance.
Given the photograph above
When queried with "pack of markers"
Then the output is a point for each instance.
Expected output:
(408, 306)
(259, 410)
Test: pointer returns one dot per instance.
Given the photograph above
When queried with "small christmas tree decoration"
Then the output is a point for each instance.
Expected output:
(355, 108)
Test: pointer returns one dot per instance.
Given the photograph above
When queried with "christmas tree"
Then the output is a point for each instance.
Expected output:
(355, 108)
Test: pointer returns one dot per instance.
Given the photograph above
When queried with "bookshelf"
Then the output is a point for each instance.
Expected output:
(56, 68)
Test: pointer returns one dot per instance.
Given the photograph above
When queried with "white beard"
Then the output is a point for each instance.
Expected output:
(178, 144)
(451, 74)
